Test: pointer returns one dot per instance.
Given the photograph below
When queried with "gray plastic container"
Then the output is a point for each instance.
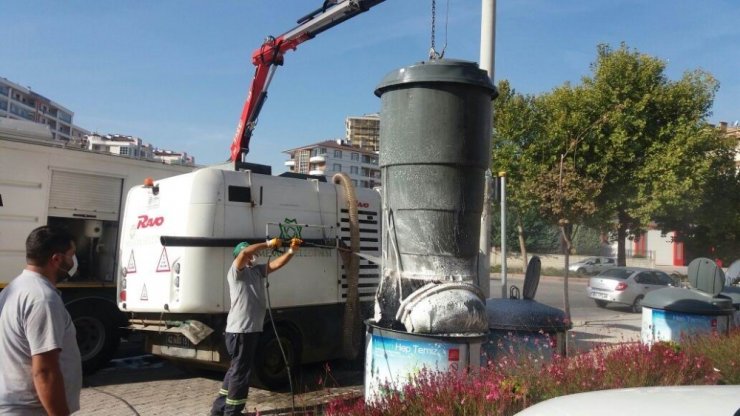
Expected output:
(523, 325)
(733, 293)
(435, 147)
(672, 313)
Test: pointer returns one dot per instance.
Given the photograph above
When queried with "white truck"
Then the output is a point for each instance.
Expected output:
(42, 182)
(177, 241)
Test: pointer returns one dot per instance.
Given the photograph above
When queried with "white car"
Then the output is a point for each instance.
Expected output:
(626, 285)
(669, 400)
(593, 265)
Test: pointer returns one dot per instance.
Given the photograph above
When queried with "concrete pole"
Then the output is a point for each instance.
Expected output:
(487, 57)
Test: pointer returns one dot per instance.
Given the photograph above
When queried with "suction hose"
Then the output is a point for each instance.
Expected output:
(350, 346)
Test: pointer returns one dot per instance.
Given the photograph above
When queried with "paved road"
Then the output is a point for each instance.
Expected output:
(138, 384)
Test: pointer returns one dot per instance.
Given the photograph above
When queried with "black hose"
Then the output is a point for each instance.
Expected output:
(277, 336)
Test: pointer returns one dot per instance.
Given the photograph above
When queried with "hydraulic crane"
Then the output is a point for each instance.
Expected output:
(270, 55)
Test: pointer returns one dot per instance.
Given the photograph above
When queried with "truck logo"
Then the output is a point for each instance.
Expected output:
(145, 221)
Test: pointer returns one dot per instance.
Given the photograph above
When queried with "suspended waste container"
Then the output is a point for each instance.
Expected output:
(672, 313)
(435, 125)
(524, 325)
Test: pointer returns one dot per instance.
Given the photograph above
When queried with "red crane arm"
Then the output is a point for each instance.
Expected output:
(267, 57)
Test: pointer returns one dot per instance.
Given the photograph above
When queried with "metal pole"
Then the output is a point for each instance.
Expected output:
(488, 37)
(504, 290)
(487, 58)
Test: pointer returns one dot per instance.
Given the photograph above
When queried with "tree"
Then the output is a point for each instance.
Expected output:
(516, 124)
(645, 151)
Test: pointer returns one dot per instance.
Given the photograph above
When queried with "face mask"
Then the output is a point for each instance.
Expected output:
(72, 270)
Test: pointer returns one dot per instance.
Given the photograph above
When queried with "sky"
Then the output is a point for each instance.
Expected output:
(176, 72)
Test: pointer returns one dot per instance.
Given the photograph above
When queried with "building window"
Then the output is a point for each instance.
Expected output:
(354, 182)
(322, 150)
(337, 167)
(338, 154)
(355, 156)
(3, 105)
(136, 153)
(4, 90)
(123, 151)
(353, 169)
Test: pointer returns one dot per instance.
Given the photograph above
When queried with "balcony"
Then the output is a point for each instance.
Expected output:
(290, 163)
(317, 159)
(316, 172)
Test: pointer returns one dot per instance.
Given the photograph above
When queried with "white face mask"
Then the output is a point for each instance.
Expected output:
(72, 270)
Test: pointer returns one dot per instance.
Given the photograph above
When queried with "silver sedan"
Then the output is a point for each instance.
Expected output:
(626, 285)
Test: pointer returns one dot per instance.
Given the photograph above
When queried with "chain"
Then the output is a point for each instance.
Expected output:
(432, 51)
(433, 54)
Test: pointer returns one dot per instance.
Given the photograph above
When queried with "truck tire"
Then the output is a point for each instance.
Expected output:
(269, 364)
(98, 335)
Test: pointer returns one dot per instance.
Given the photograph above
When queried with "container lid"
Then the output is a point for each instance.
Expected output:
(705, 275)
(532, 278)
(442, 71)
(688, 301)
(525, 315)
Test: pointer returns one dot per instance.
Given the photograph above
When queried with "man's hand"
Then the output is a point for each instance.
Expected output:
(275, 243)
(295, 244)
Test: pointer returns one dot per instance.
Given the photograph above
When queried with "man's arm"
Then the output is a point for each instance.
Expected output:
(285, 258)
(49, 382)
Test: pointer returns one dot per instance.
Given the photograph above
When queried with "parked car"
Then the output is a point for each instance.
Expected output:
(626, 285)
(593, 265)
(662, 400)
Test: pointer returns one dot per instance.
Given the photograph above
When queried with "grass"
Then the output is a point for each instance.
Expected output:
(513, 382)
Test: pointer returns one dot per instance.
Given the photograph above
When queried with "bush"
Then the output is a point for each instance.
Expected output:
(514, 382)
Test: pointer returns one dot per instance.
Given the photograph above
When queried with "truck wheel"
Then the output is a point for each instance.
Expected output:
(269, 362)
(98, 335)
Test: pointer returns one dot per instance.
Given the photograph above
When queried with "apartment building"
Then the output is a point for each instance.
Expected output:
(732, 131)
(21, 103)
(363, 131)
(135, 148)
(333, 156)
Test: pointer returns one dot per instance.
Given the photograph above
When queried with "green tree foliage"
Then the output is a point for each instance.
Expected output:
(652, 150)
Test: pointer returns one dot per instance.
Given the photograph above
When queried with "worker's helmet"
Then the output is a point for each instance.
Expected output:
(239, 247)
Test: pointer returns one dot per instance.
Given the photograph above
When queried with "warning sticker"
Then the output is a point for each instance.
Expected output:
(131, 267)
(164, 263)
(144, 295)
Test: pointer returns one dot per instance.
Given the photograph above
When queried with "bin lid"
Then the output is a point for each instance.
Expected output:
(705, 275)
(688, 301)
(532, 278)
(440, 70)
(525, 315)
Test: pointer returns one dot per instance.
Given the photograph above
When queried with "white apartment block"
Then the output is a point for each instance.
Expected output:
(20, 103)
(333, 156)
(174, 158)
(135, 148)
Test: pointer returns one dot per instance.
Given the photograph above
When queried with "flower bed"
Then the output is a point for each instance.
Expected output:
(514, 382)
